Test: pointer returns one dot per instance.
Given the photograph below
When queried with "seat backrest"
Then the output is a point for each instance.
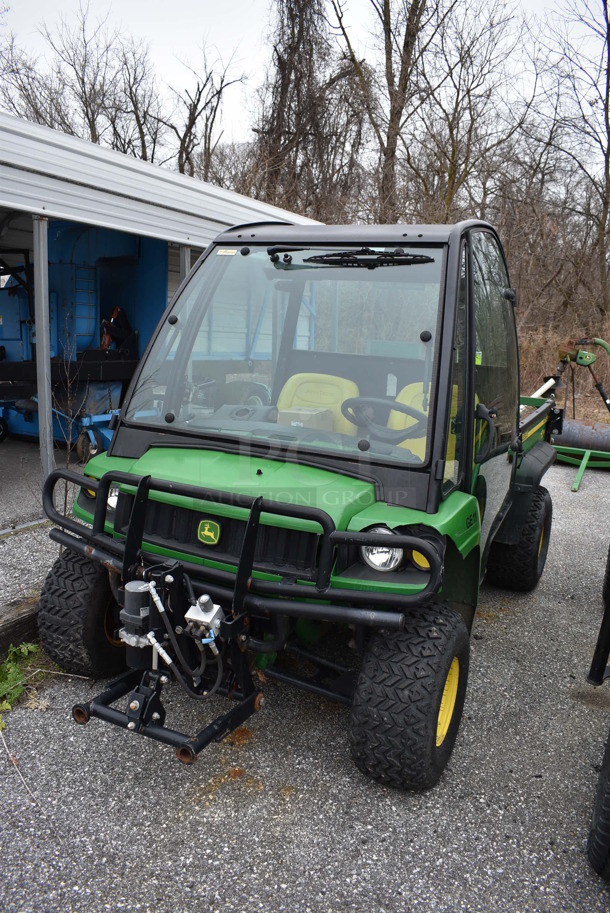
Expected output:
(411, 395)
(320, 391)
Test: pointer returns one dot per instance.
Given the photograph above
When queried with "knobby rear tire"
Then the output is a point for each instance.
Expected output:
(519, 567)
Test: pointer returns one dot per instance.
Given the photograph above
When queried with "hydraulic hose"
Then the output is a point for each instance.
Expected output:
(174, 642)
(152, 640)
(194, 673)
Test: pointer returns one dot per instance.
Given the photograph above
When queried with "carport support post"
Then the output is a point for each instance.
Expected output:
(43, 343)
(185, 262)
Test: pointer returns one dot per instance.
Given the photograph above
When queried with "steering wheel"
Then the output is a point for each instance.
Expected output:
(197, 392)
(355, 411)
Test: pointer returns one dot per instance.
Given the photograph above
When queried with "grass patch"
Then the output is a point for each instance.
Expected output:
(20, 673)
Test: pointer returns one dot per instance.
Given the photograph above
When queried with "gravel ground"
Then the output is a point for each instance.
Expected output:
(277, 818)
(25, 558)
(26, 552)
(20, 483)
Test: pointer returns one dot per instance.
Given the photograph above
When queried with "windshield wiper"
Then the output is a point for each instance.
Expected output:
(283, 249)
(368, 258)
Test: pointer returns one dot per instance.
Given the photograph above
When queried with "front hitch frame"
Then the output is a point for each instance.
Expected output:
(145, 713)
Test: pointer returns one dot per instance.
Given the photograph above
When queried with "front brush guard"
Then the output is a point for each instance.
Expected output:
(242, 590)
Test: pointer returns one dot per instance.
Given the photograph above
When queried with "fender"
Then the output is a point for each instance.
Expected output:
(534, 464)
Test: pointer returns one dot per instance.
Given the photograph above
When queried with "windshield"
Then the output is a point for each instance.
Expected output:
(330, 349)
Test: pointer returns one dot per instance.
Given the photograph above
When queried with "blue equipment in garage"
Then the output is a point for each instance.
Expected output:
(107, 291)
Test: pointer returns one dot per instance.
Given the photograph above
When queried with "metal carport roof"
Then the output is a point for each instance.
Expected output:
(45, 174)
(48, 173)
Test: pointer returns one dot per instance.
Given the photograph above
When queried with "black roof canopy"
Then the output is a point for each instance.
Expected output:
(274, 232)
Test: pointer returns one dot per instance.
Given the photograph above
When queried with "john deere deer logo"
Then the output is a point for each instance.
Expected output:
(208, 532)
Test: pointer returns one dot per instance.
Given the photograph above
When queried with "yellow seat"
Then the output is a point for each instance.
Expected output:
(413, 395)
(320, 391)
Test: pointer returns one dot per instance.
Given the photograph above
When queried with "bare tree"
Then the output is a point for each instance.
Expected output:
(102, 87)
(311, 124)
(87, 70)
(469, 113)
(405, 28)
(194, 119)
(233, 166)
(299, 51)
(136, 112)
(580, 62)
(77, 90)
(29, 93)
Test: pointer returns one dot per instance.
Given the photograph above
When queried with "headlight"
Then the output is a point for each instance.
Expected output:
(381, 557)
(113, 497)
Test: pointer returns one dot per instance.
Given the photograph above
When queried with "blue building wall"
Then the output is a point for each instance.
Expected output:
(91, 271)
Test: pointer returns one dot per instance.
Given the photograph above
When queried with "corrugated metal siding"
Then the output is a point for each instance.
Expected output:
(17, 234)
(173, 268)
(48, 173)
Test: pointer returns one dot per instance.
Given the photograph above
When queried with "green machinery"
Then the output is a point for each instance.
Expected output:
(582, 444)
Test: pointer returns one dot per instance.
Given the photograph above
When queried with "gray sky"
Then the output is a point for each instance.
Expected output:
(176, 30)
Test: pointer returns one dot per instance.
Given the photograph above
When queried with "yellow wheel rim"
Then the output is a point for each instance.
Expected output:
(448, 699)
(541, 541)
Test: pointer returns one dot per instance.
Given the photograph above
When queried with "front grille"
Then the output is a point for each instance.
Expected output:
(278, 550)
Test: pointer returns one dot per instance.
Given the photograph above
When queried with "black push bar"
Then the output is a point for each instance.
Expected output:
(244, 592)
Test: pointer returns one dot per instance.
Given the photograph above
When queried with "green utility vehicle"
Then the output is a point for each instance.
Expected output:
(324, 435)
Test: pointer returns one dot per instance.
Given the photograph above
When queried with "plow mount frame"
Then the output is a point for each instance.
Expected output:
(145, 713)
